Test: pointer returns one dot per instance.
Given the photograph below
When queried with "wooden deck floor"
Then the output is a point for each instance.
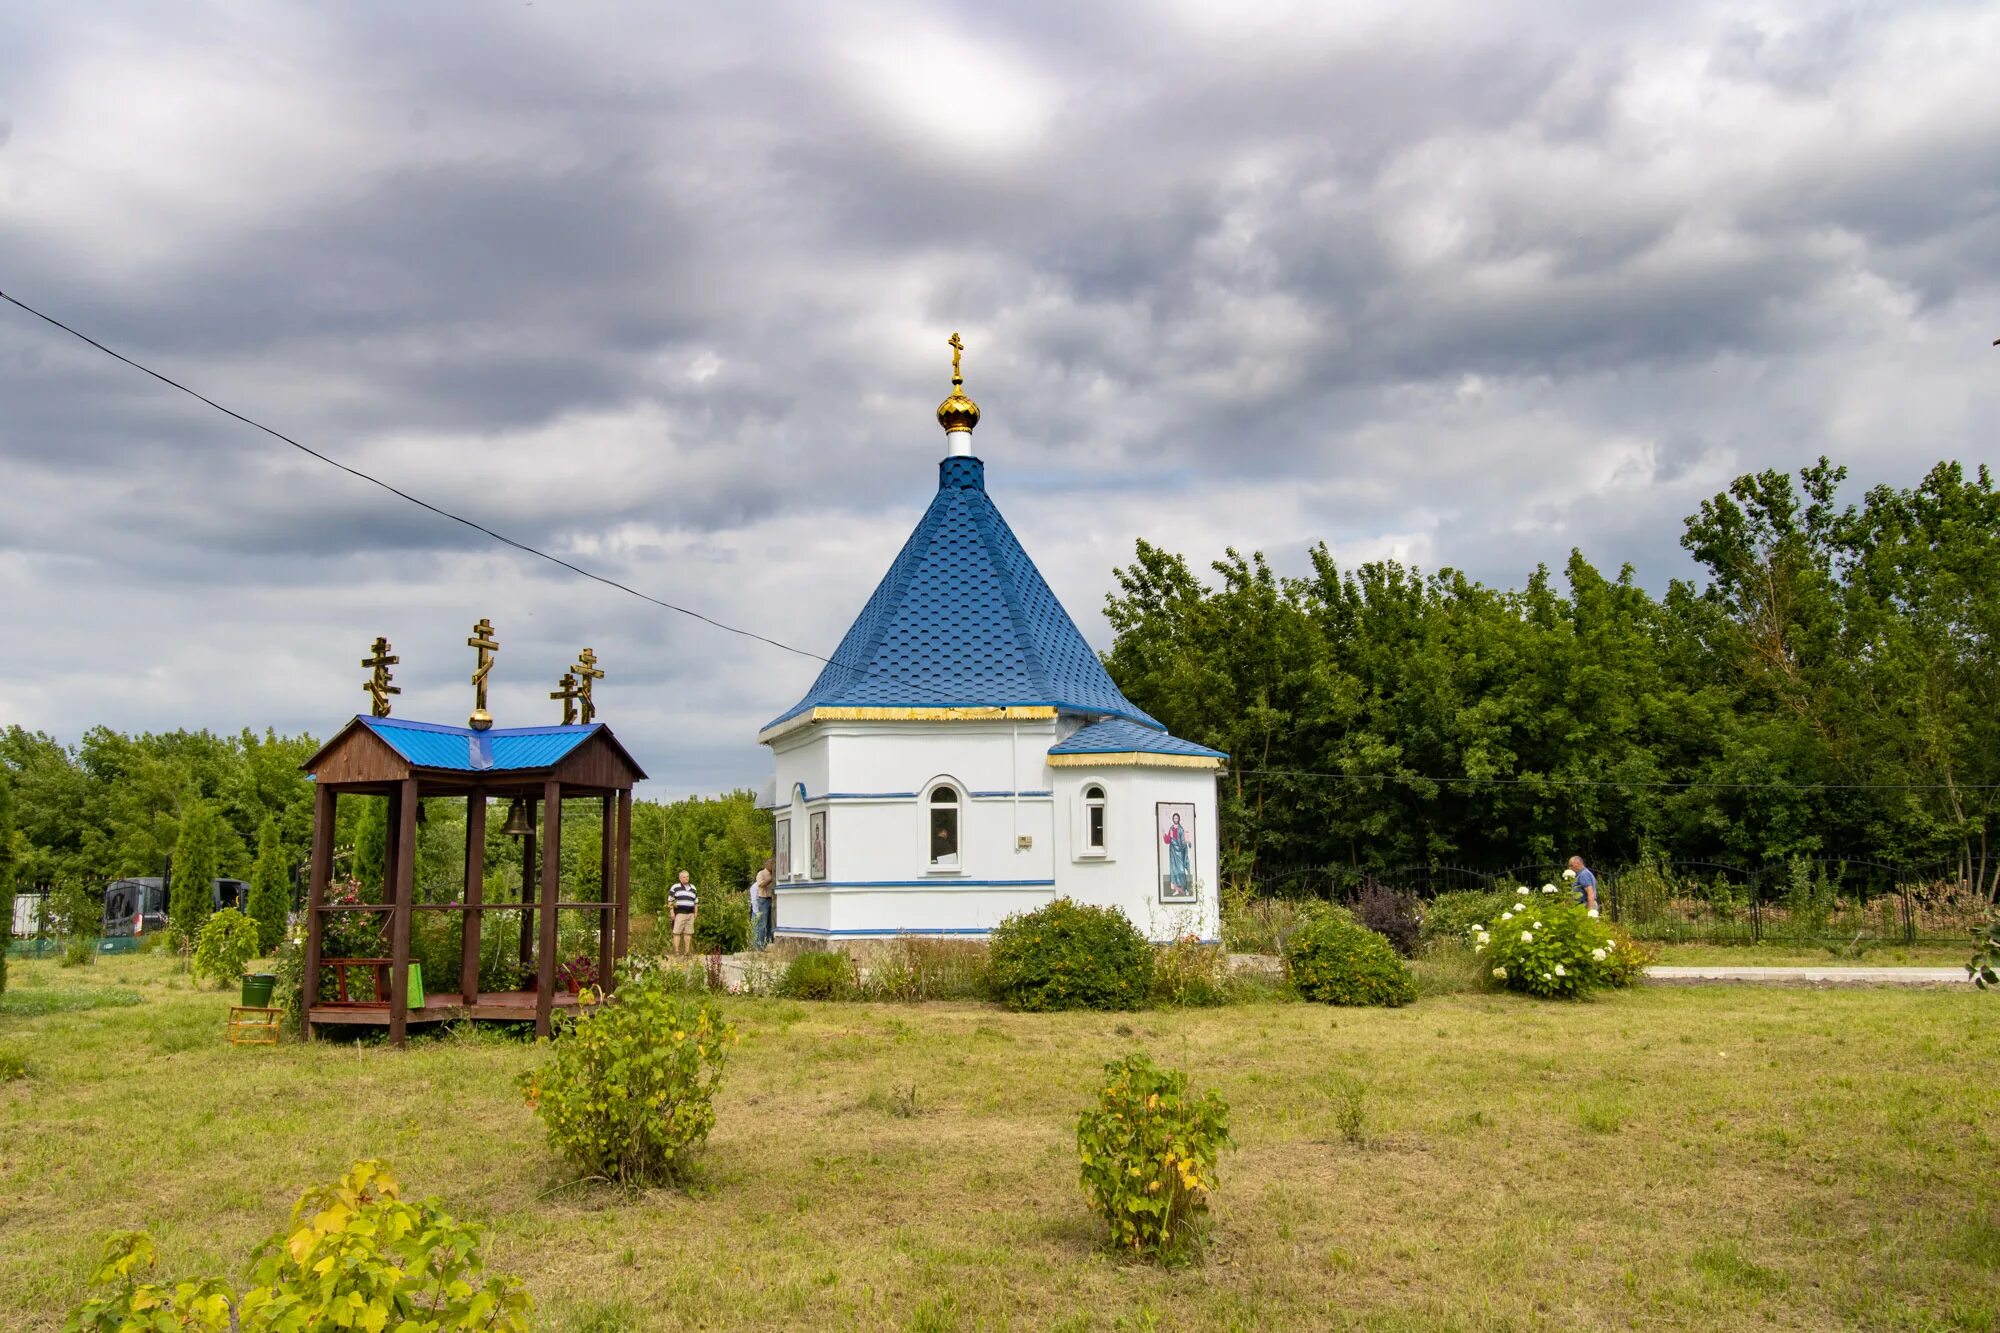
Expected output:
(504, 1006)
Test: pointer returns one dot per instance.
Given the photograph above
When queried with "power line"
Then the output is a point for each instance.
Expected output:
(421, 503)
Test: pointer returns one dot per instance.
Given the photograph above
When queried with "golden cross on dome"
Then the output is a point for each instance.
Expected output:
(569, 695)
(377, 685)
(957, 345)
(482, 639)
(586, 671)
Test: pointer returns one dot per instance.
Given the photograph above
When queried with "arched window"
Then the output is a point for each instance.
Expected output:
(943, 841)
(1093, 820)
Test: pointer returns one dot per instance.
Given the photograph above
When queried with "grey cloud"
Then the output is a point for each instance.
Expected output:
(668, 291)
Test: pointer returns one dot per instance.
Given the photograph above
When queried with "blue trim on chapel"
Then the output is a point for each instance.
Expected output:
(1116, 737)
(963, 619)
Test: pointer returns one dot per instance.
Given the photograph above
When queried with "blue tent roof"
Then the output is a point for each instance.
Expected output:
(964, 619)
(434, 745)
(1119, 737)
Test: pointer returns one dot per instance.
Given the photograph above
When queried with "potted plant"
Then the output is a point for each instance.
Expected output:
(577, 973)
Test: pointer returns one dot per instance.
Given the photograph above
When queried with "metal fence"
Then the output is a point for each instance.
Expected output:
(1826, 902)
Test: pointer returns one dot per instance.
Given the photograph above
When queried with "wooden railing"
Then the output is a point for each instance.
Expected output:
(341, 967)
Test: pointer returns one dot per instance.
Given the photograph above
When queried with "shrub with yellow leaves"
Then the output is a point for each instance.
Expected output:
(1148, 1153)
(629, 1092)
(355, 1256)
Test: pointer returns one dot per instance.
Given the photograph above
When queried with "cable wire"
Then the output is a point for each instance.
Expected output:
(423, 503)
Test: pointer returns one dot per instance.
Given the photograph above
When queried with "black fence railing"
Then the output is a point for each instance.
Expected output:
(1826, 902)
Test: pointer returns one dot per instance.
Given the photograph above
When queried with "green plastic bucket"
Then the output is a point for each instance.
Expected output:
(257, 989)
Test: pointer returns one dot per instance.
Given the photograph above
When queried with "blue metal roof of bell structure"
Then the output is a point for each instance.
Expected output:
(1116, 736)
(963, 619)
(435, 745)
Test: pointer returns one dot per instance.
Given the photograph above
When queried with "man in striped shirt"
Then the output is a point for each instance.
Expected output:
(684, 900)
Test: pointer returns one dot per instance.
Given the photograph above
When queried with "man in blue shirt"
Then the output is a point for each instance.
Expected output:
(1583, 882)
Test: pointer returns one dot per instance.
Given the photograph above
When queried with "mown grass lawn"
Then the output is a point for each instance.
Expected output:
(1715, 1158)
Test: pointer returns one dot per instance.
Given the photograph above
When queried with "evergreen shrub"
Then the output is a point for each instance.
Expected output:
(1148, 1155)
(629, 1090)
(1070, 956)
(1337, 961)
(224, 947)
(1548, 945)
(355, 1256)
(819, 974)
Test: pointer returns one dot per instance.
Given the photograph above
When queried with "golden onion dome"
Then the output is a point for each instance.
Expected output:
(957, 412)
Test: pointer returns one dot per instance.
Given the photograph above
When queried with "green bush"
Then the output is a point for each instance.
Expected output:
(819, 974)
(224, 947)
(1338, 962)
(355, 1256)
(723, 923)
(76, 914)
(1449, 915)
(1070, 956)
(1546, 944)
(1148, 1152)
(629, 1090)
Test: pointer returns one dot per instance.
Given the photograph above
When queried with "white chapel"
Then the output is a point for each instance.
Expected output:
(964, 755)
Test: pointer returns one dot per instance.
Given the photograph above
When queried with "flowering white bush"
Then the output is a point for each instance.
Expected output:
(1555, 949)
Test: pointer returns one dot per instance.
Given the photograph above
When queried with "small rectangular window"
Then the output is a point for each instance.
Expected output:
(944, 835)
(1094, 834)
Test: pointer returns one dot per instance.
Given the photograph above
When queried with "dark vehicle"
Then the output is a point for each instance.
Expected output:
(139, 906)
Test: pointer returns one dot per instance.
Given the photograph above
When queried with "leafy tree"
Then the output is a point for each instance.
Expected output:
(6, 872)
(720, 841)
(191, 896)
(270, 888)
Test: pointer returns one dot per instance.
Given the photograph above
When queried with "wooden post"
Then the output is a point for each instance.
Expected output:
(403, 815)
(324, 810)
(607, 893)
(624, 909)
(472, 921)
(528, 878)
(545, 971)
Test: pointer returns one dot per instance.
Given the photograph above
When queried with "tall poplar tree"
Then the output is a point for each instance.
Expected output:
(192, 896)
(270, 888)
(6, 872)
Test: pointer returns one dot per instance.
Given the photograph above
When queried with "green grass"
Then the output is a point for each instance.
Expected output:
(1786, 955)
(1715, 1158)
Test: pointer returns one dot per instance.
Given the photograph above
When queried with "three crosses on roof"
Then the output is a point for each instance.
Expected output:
(575, 693)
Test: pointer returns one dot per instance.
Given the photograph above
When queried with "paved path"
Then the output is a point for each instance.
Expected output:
(1809, 976)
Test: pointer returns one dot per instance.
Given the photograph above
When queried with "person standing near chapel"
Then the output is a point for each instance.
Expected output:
(684, 901)
(760, 905)
(1583, 882)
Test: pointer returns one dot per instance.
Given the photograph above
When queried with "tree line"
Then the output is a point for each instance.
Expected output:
(1828, 689)
(193, 806)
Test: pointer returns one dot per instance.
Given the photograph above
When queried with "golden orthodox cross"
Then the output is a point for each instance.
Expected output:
(586, 672)
(378, 686)
(569, 695)
(482, 639)
(957, 346)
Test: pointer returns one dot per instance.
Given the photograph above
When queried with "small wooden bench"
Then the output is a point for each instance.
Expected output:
(250, 1025)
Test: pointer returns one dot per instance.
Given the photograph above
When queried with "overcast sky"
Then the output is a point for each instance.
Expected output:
(667, 292)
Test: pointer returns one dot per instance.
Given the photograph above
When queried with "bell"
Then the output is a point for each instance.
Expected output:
(517, 825)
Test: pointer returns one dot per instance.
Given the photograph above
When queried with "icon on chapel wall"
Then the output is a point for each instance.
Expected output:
(1176, 852)
(781, 849)
(816, 860)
